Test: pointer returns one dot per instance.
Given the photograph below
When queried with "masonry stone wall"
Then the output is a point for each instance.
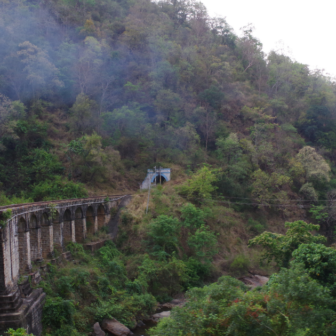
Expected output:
(165, 173)
(31, 235)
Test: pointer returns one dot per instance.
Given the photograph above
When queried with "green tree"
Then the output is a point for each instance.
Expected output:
(280, 247)
(163, 234)
(204, 243)
(268, 188)
(84, 115)
(192, 216)
(90, 161)
(316, 168)
(319, 262)
(229, 149)
(200, 186)
(292, 303)
(41, 73)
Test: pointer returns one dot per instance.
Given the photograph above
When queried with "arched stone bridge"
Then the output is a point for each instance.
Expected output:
(32, 234)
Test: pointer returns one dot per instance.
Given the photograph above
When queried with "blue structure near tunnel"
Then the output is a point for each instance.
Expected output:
(153, 174)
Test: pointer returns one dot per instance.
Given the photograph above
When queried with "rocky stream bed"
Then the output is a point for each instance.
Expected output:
(115, 328)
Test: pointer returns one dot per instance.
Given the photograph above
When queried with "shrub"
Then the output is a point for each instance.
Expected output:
(279, 247)
(58, 312)
(204, 243)
(240, 263)
(77, 251)
(57, 189)
(7, 214)
(200, 186)
(197, 272)
(163, 235)
(319, 262)
(17, 332)
(192, 216)
(255, 226)
(64, 286)
(108, 252)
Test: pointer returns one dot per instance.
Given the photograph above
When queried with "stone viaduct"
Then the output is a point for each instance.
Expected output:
(31, 235)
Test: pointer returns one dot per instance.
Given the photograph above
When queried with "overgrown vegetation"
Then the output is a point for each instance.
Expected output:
(96, 287)
(4, 216)
(95, 92)
(299, 300)
(110, 88)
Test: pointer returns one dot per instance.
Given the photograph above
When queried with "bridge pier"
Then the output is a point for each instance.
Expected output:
(95, 224)
(57, 226)
(80, 226)
(16, 309)
(24, 247)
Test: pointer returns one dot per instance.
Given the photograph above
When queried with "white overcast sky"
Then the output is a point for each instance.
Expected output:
(306, 27)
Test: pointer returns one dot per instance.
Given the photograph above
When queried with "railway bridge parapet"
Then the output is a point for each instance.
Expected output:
(33, 233)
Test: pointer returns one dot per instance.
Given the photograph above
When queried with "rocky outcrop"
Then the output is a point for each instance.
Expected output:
(115, 328)
(254, 280)
(161, 315)
(97, 331)
(174, 303)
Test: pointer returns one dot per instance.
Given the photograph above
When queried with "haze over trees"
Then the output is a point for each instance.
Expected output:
(142, 83)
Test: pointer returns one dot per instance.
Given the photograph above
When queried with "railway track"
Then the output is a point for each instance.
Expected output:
(15, 206)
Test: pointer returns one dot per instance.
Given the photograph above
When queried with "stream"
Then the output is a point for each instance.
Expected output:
(160, 312)
(143, 331)
(251, 281)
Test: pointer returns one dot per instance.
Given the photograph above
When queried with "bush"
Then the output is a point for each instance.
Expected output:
(192, 216)
(279, 247)
(108, 252)
(17, 332)
(64, 286)
(5, 200)
(204, 243)
(319, 262)
(7, 214)
(163, 235)
(78, 252)
(57, 188)
(197, 272)
(255, 226)
(200, 186)
(58, 312)
(240, 263)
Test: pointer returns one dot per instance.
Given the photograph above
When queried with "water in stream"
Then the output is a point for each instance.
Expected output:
(143, 331)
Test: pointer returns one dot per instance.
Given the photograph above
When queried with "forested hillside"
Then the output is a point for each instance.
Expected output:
(97, 91)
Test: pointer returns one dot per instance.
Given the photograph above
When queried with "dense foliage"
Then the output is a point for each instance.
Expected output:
(299, 300)
(96, 288)
(92, 90)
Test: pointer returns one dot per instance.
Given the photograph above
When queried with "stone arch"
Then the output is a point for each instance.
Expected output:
(57, 231)
(80, 229)
(47, 236)
(156, 177)
(45, 219)
(24, 246)
(67, 226)
(90, 220)
(101, 216)
(35, 238)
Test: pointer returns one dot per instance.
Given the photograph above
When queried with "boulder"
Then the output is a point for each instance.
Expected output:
(161, 315)
(97, 331)
(174, 303)
(254, 280)
(115, 328)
